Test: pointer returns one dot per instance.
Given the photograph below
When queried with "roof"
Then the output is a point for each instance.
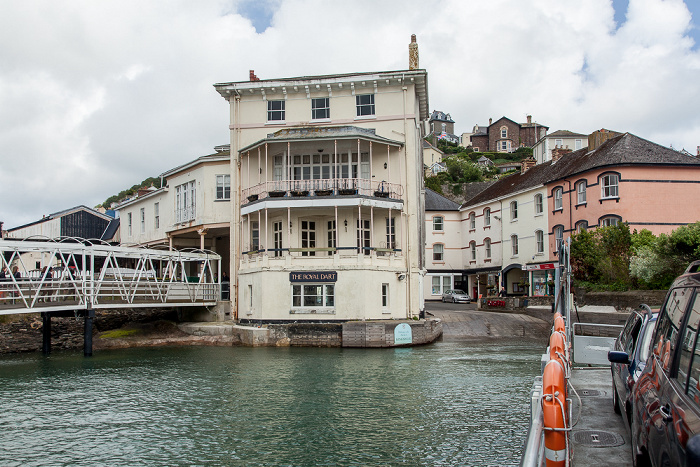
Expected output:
(564, 134)
(65, 212)
(111, 230)
(222, 154)
(427, 145)
(624, 150)
(437, 202)
(441, 116)
(322, 132)
(418, 77)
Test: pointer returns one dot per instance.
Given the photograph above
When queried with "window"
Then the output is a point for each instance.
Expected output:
(578, 144)
(438, 252)
(487, 217)
(487, 248)
(558, 236)
(687, 344)
(558, 199)
(440, 284)
(385, 295)
(143, 220)
(472, 221)
(581, 192)
(695, 368)
(331, 237)
(472, 250)
(277, 237)
(513, 210)
(363, 234)
(313, 295)
(254, 236)
(128, 216)
(504, 132)
(608, 185)
(185, 196)
(538, 204)
(504, 145)
(581, 226)
(391, 232)
(275, 111)
(278, 169)
(308, 237)
(609, 221)
(514, 244)
(438, 224)
(539, 239)
(156, 215)
(558, 143)
(365, 104)
(223, 187)
(320, 108)
(668, 325)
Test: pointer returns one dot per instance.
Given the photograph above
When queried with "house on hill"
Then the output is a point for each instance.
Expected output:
(506, 135)
(542, 150)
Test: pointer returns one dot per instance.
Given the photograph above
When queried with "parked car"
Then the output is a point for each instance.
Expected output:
(666, 397)
(455, 296)
(628, 358)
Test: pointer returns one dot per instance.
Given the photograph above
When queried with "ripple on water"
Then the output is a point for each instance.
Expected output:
(445, 404)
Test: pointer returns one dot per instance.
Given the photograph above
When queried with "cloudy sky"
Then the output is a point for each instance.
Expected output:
(96, 96)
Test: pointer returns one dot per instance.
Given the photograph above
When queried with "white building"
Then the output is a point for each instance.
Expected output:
(327, 196)
(443, 250)
(564, 139)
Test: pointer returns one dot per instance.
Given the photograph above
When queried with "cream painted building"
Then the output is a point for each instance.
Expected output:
(191, 210)
(443, 251)
(564, 139)
(327, 196)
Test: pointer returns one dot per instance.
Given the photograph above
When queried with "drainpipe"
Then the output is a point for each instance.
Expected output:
(236, 206)
(409, 276)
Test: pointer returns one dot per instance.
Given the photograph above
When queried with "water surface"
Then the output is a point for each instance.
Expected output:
(450, 403)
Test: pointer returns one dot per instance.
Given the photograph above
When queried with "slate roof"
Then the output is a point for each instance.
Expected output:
(65, 212)
(564, 134)
(440, 116)
(437, 202)
(624, 150)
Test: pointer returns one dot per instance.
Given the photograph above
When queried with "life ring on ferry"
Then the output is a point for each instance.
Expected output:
(557, 348)
(559, 325)
(553, 402)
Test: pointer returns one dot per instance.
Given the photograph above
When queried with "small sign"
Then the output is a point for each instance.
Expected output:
(537, 267)
(403, 334)
(313, 276)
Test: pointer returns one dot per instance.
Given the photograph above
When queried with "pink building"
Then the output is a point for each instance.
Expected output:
(624, 179)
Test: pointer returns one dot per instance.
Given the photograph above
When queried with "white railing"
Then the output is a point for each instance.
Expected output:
(323, 187)
(82, 275)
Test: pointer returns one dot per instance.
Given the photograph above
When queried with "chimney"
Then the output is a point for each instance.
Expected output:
(527, 164)
(558, 152)
(253, 77)
(529, 119)
(413, 53)
(698, 151)
(490, 120)
(597, 138)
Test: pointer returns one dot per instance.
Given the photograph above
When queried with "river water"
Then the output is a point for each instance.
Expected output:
(450, 403)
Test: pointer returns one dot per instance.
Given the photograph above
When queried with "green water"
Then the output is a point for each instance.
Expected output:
(450, 403)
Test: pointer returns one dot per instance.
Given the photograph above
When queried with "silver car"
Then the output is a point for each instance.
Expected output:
(455, 296)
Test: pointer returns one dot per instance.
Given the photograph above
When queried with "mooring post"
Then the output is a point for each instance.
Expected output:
(46, 331)
(87, 336)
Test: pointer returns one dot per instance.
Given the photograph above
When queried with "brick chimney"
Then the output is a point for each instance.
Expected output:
(142, 191)
(526, 164)
(698, 151)
(558, 152)
(253, 77)
(490, 120)
(597, 138)
(529, 119)
(413, 53)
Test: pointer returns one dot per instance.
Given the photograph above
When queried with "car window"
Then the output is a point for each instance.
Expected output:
(631, 321)
(646, 341)
(670, 318)
(632, 338)
(689, 338)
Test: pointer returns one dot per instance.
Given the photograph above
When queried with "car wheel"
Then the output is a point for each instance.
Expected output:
(639, 459)
(454, 300)
(443, 299)
(616, 401)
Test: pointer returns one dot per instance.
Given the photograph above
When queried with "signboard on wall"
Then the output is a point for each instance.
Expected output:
(537, 267)
(403, 334)
(313, 276)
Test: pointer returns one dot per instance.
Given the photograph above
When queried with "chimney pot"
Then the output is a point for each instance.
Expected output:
(253, 77)
(413, 53)
(529, 119)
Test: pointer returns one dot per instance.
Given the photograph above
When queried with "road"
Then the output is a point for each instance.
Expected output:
(464, 320)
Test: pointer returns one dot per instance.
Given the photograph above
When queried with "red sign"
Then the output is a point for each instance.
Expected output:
(537, 267)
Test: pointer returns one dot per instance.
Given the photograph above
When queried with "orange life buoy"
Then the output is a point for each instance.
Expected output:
(553, 402)
(557, 348)
(559, 324)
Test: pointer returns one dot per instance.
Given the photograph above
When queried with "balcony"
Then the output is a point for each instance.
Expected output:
(341, 187)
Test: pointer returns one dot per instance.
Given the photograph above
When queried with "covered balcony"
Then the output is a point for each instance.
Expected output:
(322, 162)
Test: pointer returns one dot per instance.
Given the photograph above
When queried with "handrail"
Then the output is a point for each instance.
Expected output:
(323, 187)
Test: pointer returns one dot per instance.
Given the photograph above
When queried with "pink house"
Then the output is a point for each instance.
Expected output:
(624, 179)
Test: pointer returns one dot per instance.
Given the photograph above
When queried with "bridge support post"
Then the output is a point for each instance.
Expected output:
(87, 335)
(46, 332)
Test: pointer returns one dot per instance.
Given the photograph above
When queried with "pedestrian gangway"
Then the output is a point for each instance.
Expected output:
(77, 274)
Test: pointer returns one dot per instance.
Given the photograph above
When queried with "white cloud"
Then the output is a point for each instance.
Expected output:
(97, 96)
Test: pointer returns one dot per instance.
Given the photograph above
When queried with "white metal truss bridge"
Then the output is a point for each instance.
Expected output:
(79, 274)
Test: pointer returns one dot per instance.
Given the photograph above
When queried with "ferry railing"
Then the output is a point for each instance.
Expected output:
(82, 275)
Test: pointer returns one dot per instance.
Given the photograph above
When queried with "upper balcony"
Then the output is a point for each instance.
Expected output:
(323, 189)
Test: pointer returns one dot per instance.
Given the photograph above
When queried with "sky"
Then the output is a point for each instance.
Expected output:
(98, 96)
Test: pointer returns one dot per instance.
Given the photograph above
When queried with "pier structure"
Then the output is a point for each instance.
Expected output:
(74, 277)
